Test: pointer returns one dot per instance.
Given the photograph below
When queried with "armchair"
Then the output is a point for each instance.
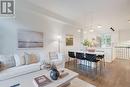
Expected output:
(57, 59)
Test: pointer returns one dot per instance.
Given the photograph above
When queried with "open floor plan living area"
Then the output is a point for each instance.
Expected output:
(64, 43)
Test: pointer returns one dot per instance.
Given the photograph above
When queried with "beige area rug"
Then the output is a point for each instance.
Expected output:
(80, 83)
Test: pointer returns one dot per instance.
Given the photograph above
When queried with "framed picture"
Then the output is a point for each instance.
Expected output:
(69, 40)
(30, 39)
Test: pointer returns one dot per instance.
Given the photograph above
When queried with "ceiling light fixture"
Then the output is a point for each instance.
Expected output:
(59, 37)
(99, 26)
(91, 30)
(79, 30)
(85, 32)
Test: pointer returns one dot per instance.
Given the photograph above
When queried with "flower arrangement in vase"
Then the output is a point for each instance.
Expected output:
(88, 45)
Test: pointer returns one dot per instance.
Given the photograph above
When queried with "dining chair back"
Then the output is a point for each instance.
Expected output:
(80, 55)
(90, 57)
(71, 54)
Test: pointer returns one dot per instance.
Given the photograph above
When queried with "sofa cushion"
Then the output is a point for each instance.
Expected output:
(43, 58)
(31, 58)
(17, 60)
(1, 67)
(7, 61)
(20, 70)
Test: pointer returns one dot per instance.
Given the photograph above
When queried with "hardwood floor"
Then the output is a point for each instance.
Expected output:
(115, 74)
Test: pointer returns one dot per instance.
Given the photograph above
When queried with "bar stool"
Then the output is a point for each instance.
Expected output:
(71, 55)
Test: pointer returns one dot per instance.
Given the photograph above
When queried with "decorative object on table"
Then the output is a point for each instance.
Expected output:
(91, 49)
(63, 74)
(69, 40)
(89, 45)
(54, 74)
(47, 65)
(30, 39)
(41, 81)
(86, 43)
(94, 42)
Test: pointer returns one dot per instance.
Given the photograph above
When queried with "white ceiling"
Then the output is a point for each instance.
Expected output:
(106, 13)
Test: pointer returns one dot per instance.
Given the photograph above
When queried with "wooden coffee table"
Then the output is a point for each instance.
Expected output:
(27, 80)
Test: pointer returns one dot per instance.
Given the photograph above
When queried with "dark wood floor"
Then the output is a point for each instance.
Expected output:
(115, 74)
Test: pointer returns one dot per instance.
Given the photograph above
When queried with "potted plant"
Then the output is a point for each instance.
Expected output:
(88, 45)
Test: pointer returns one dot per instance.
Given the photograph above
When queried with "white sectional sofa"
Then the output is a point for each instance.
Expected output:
(16, 66)
(21, 69)
(18, 70)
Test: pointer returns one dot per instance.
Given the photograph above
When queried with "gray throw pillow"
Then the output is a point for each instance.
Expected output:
(7, 62)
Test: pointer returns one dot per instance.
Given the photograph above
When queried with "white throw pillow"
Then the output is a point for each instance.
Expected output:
(17, 60)
(42, 58)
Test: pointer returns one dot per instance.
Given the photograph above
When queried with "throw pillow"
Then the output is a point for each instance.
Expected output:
(31, 58)
(1, 67)
(7, 62)
(17, 60)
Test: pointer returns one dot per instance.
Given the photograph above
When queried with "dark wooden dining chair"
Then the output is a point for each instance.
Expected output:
(93, 59)
(101, 57)
(80, 57)
(71, 57)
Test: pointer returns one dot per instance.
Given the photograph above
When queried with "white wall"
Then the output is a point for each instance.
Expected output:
(124, 35)
(7, 36)
(36, 21)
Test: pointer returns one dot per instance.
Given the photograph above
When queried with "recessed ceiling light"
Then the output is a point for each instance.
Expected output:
(85, 32)
(59, 37)
(91, 30)
(79, 30)
(99, 26)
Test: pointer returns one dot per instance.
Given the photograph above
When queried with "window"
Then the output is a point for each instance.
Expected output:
(106, 40)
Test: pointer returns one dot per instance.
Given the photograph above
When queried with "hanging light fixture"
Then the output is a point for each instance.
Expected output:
(99, 26)
(79, 30)
(91, 30)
